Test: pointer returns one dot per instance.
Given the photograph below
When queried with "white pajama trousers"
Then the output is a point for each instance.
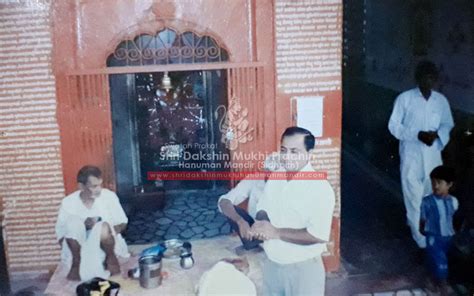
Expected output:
(296, 279)
(415, 186)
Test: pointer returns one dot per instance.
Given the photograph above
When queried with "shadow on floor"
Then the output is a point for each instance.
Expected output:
(378, 253)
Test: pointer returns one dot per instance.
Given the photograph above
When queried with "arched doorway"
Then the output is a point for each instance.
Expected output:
(165, 113)
(163, 129)
(93, 95)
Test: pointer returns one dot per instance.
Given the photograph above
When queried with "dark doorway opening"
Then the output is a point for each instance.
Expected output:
(158, 130)
(161, 130)
(160, 121)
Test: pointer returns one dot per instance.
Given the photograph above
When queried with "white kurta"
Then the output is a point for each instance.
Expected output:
(70, 224)
(411, 114)
(251, 189)
(298, 204)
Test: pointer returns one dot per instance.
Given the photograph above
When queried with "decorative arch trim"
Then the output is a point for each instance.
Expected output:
(167, 45)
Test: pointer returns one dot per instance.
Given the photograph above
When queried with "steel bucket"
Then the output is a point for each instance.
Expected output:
(150, 271)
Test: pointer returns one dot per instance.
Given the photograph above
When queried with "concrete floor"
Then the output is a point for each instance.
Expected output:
(374, 231)
(378, 254)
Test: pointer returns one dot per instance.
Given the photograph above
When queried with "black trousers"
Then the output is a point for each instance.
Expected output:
(248, 244)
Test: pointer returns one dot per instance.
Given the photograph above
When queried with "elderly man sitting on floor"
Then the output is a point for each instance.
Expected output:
(89, 227)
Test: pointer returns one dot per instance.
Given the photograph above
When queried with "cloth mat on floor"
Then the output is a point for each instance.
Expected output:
(206, 253)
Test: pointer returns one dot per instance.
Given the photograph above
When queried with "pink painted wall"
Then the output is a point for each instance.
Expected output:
(84, 32)
(94, 28)
(31, 180)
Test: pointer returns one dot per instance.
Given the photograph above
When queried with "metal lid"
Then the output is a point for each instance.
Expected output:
(149, 259)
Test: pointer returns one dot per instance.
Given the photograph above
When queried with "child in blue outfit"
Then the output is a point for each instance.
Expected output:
(436, 223)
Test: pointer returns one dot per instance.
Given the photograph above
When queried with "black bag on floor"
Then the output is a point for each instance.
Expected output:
(98, 287)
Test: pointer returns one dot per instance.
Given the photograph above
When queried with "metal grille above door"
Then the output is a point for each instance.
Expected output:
(166, 47)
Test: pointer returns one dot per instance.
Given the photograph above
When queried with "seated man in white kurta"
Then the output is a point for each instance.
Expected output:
(296, 217)
(89, 227)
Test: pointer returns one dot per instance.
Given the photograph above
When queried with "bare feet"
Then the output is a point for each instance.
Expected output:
(73, 274)
(112, 264)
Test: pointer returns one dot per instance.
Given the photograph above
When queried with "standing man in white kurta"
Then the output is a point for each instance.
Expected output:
(295, 221)
(89, 227)
(421, 119)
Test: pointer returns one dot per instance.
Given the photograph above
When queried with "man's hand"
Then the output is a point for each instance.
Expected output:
(90, 222)
(422, 227)
(427, 138)
(244, 229)
(264, 230)
(432, 137)
(424, 138)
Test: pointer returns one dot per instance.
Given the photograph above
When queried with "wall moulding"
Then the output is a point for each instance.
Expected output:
(154, 26)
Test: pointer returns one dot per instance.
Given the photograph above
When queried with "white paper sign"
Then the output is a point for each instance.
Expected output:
(309, 114)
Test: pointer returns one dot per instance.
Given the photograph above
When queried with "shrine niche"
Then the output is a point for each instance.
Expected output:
(179, 105)
(168, 112)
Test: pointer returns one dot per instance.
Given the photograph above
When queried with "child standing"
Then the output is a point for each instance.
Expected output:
(436, 223)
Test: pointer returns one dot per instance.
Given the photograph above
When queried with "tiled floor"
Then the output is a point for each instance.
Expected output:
(188, 215)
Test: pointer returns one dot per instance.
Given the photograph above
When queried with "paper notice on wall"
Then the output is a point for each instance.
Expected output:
(309, 114)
